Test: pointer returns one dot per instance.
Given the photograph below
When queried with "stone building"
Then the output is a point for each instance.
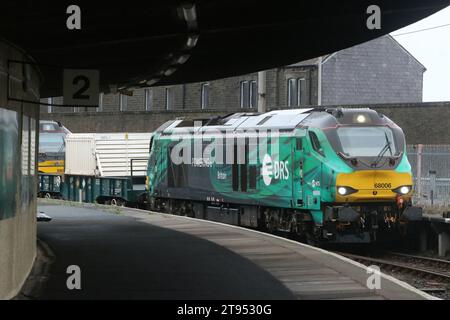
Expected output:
(376, 72)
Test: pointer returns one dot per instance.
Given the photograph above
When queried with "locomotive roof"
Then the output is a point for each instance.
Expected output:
(277, 119)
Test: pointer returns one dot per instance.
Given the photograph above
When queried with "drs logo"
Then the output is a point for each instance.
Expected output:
(274, 170)
(382, 185)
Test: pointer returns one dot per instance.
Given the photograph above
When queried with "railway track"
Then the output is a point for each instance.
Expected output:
(444, 265)
(409, 267)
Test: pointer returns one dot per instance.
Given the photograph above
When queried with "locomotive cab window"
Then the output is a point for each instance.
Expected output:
(367, 141)
(150, 145)
(315, 143)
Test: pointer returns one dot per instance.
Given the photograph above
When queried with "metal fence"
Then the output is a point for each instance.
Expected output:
(431, 171)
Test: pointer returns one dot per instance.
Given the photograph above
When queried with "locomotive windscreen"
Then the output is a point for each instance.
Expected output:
(366, 141)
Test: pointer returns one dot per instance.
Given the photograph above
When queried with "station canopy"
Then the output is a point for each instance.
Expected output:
(162, 42)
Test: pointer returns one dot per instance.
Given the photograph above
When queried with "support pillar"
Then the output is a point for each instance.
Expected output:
(19, 141)
(444, 243)
(419, 172)
(423, 240)
(319, 81)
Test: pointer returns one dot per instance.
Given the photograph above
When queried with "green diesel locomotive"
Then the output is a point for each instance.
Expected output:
(335, 175)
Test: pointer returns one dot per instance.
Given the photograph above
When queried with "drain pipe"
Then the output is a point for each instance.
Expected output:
(319, 82)
(262, 105)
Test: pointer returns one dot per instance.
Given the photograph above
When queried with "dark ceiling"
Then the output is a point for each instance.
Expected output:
(133, 42)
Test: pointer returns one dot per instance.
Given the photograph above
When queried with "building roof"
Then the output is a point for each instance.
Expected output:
(406, 51)
(315, 61)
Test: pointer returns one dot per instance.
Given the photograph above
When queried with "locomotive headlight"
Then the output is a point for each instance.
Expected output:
(344, 191)
(361, 118)
(403, 190)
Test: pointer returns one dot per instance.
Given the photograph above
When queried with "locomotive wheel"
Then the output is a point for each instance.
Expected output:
(117, 202)
(271, 225)
(48, 196)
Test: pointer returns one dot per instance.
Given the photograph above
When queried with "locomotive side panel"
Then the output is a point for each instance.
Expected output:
(246, 174)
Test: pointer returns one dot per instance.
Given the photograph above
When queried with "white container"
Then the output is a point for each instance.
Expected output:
(80, 154)
(107, 154)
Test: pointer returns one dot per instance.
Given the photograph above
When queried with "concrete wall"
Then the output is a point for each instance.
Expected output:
(18, 146)
(425, 123)
(130, 121)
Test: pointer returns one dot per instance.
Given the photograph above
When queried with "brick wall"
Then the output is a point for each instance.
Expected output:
(425, 123)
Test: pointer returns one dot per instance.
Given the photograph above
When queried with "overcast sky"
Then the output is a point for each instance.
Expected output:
(432, 49)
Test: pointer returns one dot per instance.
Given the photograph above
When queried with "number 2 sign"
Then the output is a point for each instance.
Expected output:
(81, 87)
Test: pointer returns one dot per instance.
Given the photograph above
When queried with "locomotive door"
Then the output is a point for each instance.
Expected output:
(297, 171)
(244, 173)
(311, 163)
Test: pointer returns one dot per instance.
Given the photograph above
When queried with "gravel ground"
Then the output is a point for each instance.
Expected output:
(421, 283)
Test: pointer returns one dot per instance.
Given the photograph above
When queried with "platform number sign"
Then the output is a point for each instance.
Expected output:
(81, 87)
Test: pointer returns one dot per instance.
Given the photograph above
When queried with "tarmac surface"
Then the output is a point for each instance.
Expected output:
(132, 254)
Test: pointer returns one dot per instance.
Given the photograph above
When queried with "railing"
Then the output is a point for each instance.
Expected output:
(431, 171)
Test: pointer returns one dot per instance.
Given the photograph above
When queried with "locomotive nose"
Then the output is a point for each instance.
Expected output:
(373, 185)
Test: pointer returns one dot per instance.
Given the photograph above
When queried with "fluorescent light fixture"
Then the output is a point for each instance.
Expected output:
(189, 13)
(191, 41)
(152, 81)
(169, 71)
(182, 59)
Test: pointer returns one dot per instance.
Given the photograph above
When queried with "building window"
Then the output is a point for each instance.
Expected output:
(123, 103)
(169, 98)
(49, 107)
(205, 96)
(244, 94)
(296, 95)
(248, 94)
(148, 99)
(292, 92)
(253, 94)
(100, 102)
(301, 84)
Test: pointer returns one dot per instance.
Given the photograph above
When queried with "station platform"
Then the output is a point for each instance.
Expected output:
(134, 254)
(436, 218)
(441, 226)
